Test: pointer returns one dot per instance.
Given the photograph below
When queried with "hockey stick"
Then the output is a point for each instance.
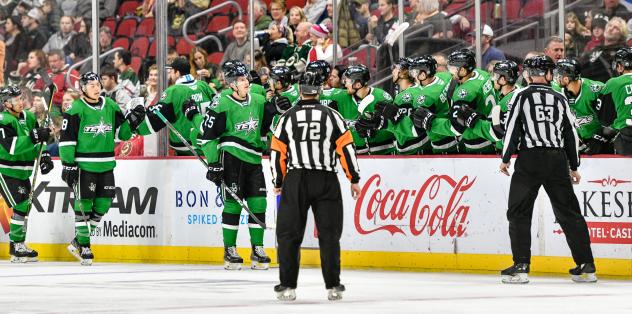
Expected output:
(224, 187)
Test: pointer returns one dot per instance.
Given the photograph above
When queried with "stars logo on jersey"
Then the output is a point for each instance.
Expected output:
(580, 121)
(421, 99)
(92, 187)
(462, 93)
(387, 96)
(98, 129)
(406, 97)
(595, 88)
(163, 96)
(249, 125)
(21, 190)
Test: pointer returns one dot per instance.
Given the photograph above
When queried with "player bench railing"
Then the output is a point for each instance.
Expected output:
(210, 36)
(84, 61)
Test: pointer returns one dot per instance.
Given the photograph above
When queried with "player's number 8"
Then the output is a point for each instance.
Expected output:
(64, 124)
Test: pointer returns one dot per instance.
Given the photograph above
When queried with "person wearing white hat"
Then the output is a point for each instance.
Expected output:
(36, 36)
(489, 52)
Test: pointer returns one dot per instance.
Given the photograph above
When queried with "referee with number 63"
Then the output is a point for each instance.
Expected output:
(303, 158)
(541, 129)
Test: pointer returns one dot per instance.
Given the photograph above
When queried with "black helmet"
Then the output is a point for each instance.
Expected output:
(9, 92)
(358, 73)
(508, 69)
(282, 74)
(539, 65)
(463, 58)
(623, 56)
(570, 68)
(425, 63)
(87, 78)
(319, 66)
(405, 63)
(310, 83)
(235, 70)
(230, 64)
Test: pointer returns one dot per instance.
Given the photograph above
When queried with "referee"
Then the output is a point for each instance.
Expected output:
(541, 129)
(303, 159)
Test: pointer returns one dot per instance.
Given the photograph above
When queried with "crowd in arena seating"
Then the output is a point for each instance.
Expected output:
(52, 35)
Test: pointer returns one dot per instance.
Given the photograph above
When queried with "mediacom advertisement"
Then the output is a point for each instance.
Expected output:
(418, 204)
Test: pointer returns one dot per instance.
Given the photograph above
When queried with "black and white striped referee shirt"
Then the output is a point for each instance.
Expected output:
(308, 136)
(540, 117)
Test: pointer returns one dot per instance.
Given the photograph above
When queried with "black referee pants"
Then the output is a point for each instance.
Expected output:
(548, 168)
(319, 190)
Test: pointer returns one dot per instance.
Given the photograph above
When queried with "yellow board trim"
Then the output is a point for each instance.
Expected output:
(409, 261)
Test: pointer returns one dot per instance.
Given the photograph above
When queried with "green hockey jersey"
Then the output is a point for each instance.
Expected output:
(18, 152)
(245, 122)
(617, 101)
(584, 106)
(170, 106)
(88, 133)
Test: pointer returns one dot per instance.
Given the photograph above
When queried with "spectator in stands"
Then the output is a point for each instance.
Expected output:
(580, 35)
(360, 13)
(295, 56)
(613, 8)
(67, 99)
(78, 46)
(262, 20)
(278, 11)
(111, 88)
(571, 47)
(329, 13)
(315, 10)
(60, 39)
(238, 48)
(274, 41)
(428, 13)
(322, 44)
(596, 65)
(105, 44)
(22, 8)
(379, 27)
(147, 8)
(442, 62)
(29, 70)
(6, 8)
(35, 35)
(297, 16)
(489, 52)
(149, 91)
(38, 108)
(14, 39)
(127, 77)
(67, 7)
(260, 60)
(172, 54)
(598, 28)
(57, 69)
(51, 16)
(334, 80)
(554, 48)
(201, 69)
(412, 15)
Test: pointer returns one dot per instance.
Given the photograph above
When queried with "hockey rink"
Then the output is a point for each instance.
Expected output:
(64, 287)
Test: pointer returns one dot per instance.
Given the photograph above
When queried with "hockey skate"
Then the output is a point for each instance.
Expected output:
(32, 254)
(285, 293)
(260, 260)
(583, 273)
(517, 273)
(18, 252)
(232, 260)
(335, 293)
(82, 253)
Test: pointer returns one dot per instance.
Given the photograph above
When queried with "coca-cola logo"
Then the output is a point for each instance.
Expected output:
(436, 207)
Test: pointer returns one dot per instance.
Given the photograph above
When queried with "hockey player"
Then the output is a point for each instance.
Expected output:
(282, 84)
(254, 88)
(583, 98)
(20, 138)
(231, 142)
(356, 81)
(185, 89)
(86, 150)
(617, 100)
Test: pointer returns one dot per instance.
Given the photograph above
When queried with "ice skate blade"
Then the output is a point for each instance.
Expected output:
(232, 266)
(584, 278)
(32, 260)
(260, 266)
(333, 295)
(86, 262)
(515, 279)
(287, 295)
(18, 260)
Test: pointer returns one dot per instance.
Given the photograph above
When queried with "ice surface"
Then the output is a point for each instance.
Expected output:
(57, 287)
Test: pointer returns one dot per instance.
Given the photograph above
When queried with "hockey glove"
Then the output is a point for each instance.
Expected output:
(422, 118)
(46, 164)
(39, 135)
(281, 103)
(366, 127)
(190, 109)
(135, 117)
(70, 174)
(215, 173)
(599, 141)
(390, 111)
(466, 116)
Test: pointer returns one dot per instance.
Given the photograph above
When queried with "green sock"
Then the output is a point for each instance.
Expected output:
(258, 207)
(18, 219)
(82, 232)
(230, 222)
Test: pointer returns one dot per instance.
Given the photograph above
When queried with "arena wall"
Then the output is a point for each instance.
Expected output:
(433, 213)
